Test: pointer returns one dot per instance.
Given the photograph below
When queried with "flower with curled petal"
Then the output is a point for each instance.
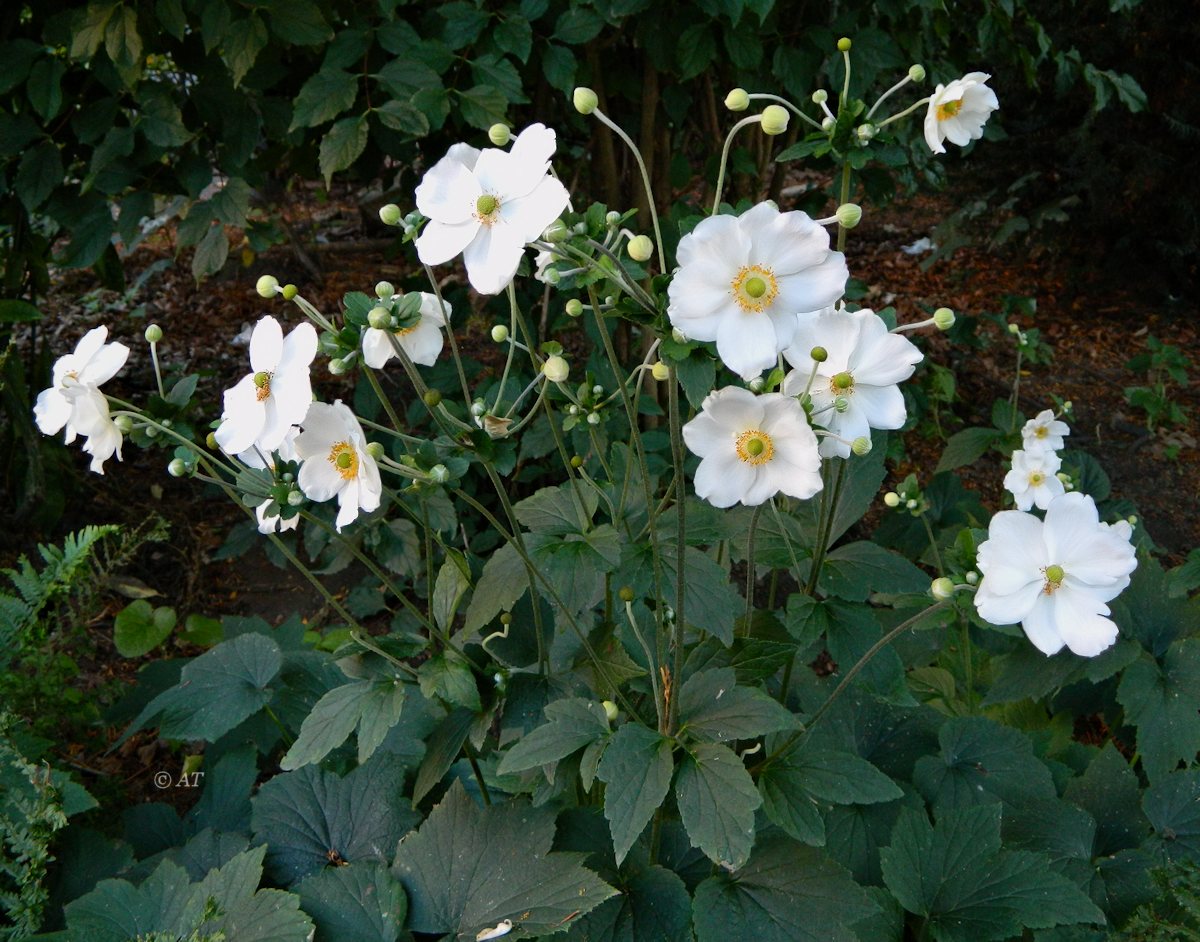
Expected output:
(957, 112)
(336, 463)
(421, 340)
(1033, 480)
(1044, 433)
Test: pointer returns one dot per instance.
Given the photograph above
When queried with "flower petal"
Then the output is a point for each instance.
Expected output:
(439, 241)
(722, 479)
(881, 406)
(747, 344)
(493, 257)
(266, 345)
(1041, 625)
(104, 364)
(448, 192)
(377, 349)
(529, 215)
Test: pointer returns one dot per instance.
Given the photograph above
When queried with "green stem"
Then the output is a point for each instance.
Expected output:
(637, 155)
(473, 759)
(751, 119)
(905, 113)
(458, 365)
(845, 198)
(825, 529)
(968, 666)
(157, 370)
(383, 400)
(937, 555)
(681, 541)
(750, 567)
(763, 96)
(1016, 390)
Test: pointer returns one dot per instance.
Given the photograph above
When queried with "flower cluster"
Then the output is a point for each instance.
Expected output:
(1034, 480)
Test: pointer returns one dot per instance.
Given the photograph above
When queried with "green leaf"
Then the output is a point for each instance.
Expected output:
(404, 117)
(574, 723)
(852, 630)
(323, 97)
(969, 890)
(311, 818)
(577, 25)
(139, 628)
(712, 602)
(466, 869)
(242, 45)
(558, 65)
(40, 171)
(44, 87)
(839, 777)
(504, 580)
(298, 22)
(464, 23)
(1147, 612)
(171, 17)
(697, 375)
(965, 447)
(1109, 790)
(717, 800)
(482, 106)
(371, 705)
(13, 311)
(342, 145)
(121, 39)
(449, 677)
(1173, 807)
(654, 904)
(789, 806)
(359, 903)
(232, 203)
(575, 565)
(217, 691)
(89, 29)
(785, 893)
(452, 583)
(712, 707)
(441, 751)
(1162, 701)
(556, 510)
(514, 35)
(695, 50)
(636, 768)
(857, 570)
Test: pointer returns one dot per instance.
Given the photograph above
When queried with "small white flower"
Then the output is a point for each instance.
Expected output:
(958, 111)
(488, 204)
(333, 450)
(1043, 433)
(1032, 480)
(271, 523)
(742, 280)
(422, 341)
(272, 398)
(541, 265)
(1055, 576)
(751, 448)
(74, 401)
(855, 389)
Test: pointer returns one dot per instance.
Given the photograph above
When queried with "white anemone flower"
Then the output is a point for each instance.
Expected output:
(253, 458)
(742, 281)
(272, 398)
(958, 111)
(422, 341)
(333, 450)
(751, 448)
(74, 401)
(855, 388)
(1054, 576)
(488, 205)
(1033, 479)
(1043, 433)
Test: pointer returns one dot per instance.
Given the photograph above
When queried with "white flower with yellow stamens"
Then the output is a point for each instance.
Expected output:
(421, 340)
(742, 281)
(1054, 576)
(335, 461)
(752, 448)
(958, 111)
(1043, 433)
(275, 395)
(854, 388)
(488, 205)
(1032, 480)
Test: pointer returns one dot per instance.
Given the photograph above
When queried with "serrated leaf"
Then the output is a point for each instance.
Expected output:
(785, 893)
(338, 712)
(441, 751)
(323, 97)
(451, 584)
(40, 171)
(964, 447)
(449, 677)
(577, 25)
(712, 602)
(362, 902)
(574, 723)
(242, 46)
(1173, 807)
(298, 22)
(1109, 790)
(89, 29)
(44, 88)
(789, 806)
(121, 39)
(1162, 701)
(514, 35)
(857, 570)
(342, 145)
(466, 869)
(712, 707)
(558, 66)
(717, 800)
(654, 904)
(211, 253)
(636, 768)
(504, 580)
(482, 105)
(840, 777)
(557, 510)
(403, 116)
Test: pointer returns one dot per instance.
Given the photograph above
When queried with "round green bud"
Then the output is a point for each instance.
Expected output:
(597, 390)
(432, 398)
(912, 503)
(678, 335)
(660, 371)
(892, 499)
(943, 318)
(380, 317)
(477, 407)
(551, 276)
(737, 100)
(820, 96)
(612, 219)
(267, 286)
(774, 120)
(861, 446)
(584, 100)
(295, 498)
(289, 292)
(506, 618)
(574, 307)
(287, 477)
(819, 354)
(153, 334)
(557, 231)
(499, 333)
(555, 369)
(576, 461)
(210, 440)
(166, 423)
(390, 215)
(625, 593)
(1068, 406)
(610, 710)
(499, 134)
(375, 450)
(916, 73)
(338, 366)
(844, 44)
(384, 290)
(840, 404)
(757, 385)
(1014, 329)
(152, 431)
(849, 215)
(864, 132)
(972, 577)
(177, 468)
(941, 589)
(439, 473)
(640, 248)
(593, 418)
(486, 204)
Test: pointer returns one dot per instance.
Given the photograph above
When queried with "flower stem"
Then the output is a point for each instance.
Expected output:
(763, 96)
(681, 539)
(884, 97)
(157, 370)
(845, 198)
(458, 365)
(750, 119)
(637, 155)
(905, 113)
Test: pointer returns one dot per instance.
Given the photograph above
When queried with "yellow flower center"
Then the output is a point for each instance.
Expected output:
(486, 209)
(262, 380)
(1054, 577)
(754, 446)
(948, 109)
(345, 459)
(1036, 478)
(754, 288)
(841, 383)
(1041, 432)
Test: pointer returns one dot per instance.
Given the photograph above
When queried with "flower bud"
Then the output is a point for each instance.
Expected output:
(972, 577)
(819, 354)
(593, 418)
(384, 290)
(574, 307)
(911, 504)
(774, 120)
(380, 317)
(1014, 329)
(153, 334)
(865, 132)
(499, 134)
(625, 593)
(557, 231)
(576, 461)
(267, 286)
(640, 248)
(289, 291)
(597, 390)
(210, 440)
(506, 618)
(827, 124)
(612, 218)
(849, 215)
(295, 498)
(389, 214)
(551, 276)
(660, 371)
(820, 96)
(942, 589)
(892, 499)
(572, 410)
(757, 384)
(375, 450)
(338, 366)
(177, 468)
(585, 100)
(478, 408)
(499, 333)
(152, 431)
(1068, 406)
(861, 446)
(737, 100)
(610, 710)
(555, 369)
(432, 398)
(916, 73)
(943, 318)
(844, 44)
(439, 473)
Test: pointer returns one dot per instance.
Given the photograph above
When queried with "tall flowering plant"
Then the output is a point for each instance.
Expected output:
(627, 640)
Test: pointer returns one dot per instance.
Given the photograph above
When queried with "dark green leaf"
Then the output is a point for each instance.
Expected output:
(654, 904)
(965, 447)
(359, 903)
(712, 602)
(712, 707)
(211, 252)
(717, 800)
(789, 806)
(574, 723)
(13, 311)
(515, 36)
(1173, 806)
(857, 570)
(341, 146)
(636, 768)
(558, 65)
(366, 704)
(695, 50)
(89, 29)
(404, 117)
(140, 628)
(298, 22)
(121, 39)
(839, 777)
(449, 677)
(483, 105)
(1109, 791)
(44, 87)
(323, 97)
(1162, 701)
(577, 25)
(557, 510)
(40, 171)
(504, 580)
(242, 46)
(441, 751)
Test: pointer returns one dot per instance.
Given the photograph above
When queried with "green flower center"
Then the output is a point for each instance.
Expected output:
(843, 381)
(754, 446)
(1036, 478)
(343, 457)
(262, 380)
(756, 287)
(486, 204)
(948, 109)
(1054, 577)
